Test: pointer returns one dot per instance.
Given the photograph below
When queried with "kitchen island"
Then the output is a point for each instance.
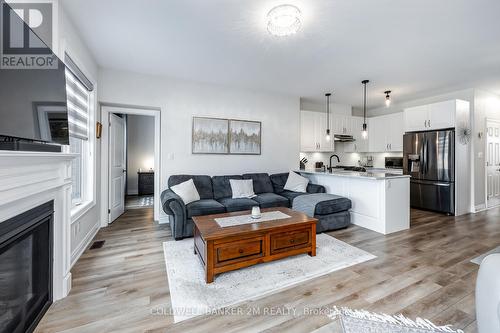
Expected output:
(380, 200)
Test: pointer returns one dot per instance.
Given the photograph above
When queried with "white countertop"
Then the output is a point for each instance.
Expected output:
(354, 174)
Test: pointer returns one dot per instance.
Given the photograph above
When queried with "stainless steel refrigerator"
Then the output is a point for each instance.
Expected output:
(429, 158)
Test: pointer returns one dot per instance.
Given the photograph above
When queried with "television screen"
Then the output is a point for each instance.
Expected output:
(33, 103)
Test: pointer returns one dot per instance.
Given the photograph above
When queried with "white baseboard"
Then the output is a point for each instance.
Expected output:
(75, 255)
(479, 208)
(67, 284)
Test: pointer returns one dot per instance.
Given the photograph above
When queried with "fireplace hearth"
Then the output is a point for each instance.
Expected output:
(26, 256)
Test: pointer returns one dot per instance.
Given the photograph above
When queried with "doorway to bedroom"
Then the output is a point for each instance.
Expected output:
(130, 160)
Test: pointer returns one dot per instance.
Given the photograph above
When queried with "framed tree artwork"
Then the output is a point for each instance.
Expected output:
(245, 137)
(210, 136)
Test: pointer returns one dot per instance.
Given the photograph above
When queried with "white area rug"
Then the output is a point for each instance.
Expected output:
(191, 296)
(479, 259)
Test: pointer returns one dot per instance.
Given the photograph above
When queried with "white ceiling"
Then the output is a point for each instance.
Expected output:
(415, 48)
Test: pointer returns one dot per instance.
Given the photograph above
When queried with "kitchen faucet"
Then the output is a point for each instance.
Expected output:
(330, 168)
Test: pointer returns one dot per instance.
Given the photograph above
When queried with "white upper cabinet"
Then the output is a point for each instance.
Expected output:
(442, 115)
(359, 145)
(341, 124)
(430, 117)
(385, 133)
(313, 132)
(415, 119)
(308, 131)
(377, 134)
(324, 145)
(396, 132)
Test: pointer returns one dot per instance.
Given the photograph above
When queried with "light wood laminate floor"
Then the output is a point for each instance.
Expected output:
(424, 272)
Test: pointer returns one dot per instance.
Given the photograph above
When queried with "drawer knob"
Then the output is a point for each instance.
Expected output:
(292, 241)
(240, 250)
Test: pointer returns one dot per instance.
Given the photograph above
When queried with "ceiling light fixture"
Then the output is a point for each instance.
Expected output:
(387, 98)
(284, 20)
(364, 132)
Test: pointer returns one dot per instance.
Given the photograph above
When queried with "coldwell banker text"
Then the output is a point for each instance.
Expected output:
(27, 35)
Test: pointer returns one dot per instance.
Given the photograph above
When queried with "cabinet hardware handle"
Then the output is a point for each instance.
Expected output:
(429, 122)
(240, 250)
(292, 241)
(425, 123)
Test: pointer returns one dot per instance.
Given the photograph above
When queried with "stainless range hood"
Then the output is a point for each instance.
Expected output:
(343, 138)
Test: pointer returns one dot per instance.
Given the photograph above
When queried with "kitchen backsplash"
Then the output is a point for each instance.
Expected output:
(347, 158)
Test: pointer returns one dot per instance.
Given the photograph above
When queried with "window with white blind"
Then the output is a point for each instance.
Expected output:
(79, 90)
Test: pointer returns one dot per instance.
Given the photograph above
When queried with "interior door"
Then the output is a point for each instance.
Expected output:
(493, 163)
(117, 167)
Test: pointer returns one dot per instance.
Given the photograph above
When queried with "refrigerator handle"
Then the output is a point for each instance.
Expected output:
(426, 155)
(422, 157)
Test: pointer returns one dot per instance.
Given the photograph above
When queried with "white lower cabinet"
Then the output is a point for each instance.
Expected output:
(381, 205)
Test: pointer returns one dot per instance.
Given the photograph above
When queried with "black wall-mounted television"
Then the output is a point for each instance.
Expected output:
(33, 104)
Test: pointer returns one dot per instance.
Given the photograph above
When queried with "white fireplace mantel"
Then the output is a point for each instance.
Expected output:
(29, 179)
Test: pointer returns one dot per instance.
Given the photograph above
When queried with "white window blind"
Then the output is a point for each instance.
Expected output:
(78, 107)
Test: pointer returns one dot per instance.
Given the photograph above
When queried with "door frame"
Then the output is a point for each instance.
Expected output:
(106, 110)
(488, 120)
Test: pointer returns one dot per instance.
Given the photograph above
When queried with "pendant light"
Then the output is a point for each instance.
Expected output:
(364, 132)
(387, 98)
(328, 136)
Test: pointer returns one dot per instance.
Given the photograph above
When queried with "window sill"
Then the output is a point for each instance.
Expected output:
(78, 211)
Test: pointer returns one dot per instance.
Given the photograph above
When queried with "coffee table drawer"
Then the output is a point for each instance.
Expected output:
(239, 250)
(286, 240)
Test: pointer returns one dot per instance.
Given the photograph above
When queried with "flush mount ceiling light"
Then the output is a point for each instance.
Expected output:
(284, 20)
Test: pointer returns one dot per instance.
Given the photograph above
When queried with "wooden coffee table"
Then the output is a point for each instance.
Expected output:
(230, 248)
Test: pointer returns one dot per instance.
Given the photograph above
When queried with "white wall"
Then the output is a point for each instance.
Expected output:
(140, 148)
(180, 101)
(83, 228)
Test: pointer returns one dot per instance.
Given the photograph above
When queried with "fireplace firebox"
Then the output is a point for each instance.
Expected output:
(26, 257)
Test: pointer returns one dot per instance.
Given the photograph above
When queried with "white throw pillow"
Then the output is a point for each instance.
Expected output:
(296, 183)
(242, 188)
(187, 191)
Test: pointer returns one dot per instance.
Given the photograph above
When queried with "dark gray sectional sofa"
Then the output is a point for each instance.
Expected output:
(216, 197)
